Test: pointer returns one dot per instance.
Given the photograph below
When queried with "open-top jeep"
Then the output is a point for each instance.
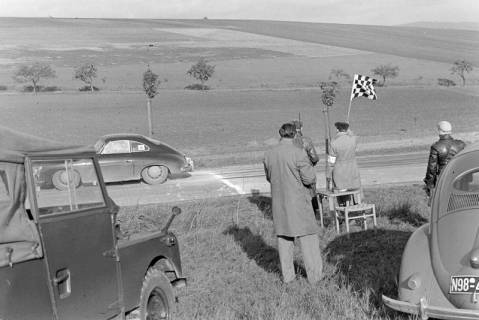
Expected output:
(61, 256)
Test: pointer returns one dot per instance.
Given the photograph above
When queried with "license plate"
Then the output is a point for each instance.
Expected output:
(464, 284)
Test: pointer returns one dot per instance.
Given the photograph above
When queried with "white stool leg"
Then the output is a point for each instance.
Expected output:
(337, 220)
(365, 222)
(346, 214)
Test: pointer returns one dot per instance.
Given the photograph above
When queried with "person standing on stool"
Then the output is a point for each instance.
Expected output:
(342, 160)
(291, 176)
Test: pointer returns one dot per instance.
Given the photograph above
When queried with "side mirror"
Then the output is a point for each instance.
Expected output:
(174, 212)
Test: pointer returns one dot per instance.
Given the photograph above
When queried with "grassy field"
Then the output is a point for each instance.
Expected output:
(229, 255)
(247, 54)
(421, 43)
(233, 122)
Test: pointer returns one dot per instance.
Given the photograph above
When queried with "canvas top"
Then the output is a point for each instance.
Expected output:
(14, 146)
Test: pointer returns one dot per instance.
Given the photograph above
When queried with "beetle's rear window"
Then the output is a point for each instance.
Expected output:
(468, 182)
(465, 192)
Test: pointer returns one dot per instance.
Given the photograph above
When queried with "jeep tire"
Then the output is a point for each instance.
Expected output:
(156, 300)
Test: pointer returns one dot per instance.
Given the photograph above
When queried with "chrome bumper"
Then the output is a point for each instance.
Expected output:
(425, 311)
(190, 165)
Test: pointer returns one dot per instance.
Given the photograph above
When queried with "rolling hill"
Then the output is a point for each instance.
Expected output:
(441, 45)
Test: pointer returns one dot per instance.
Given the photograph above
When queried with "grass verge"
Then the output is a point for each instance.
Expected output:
(229, 255)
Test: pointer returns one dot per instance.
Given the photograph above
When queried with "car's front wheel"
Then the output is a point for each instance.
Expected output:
(156, 300)
(61, 179)
(155, 174)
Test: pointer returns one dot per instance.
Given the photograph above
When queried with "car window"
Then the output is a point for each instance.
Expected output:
(67, 185)
(138, 147)
(117, 146)
(468, 182)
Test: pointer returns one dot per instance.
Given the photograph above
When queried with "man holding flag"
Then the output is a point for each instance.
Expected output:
(344, 170)
(342, 159)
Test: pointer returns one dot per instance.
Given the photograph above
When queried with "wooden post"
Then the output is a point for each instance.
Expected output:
(150, 124)
(327, 137)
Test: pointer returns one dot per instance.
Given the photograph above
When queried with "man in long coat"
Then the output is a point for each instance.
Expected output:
(342, 156)
(291, 176)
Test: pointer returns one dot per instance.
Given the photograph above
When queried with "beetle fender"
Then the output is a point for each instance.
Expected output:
(416, 277)
(416, 273)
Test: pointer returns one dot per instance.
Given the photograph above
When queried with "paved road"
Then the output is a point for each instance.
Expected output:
(406, 168)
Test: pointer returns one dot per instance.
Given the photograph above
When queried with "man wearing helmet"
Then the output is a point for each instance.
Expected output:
(441, 152)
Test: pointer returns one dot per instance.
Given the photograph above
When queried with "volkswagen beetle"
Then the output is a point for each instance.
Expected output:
(439, 274)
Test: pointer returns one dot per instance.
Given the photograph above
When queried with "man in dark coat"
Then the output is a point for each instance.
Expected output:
(441, 152)
(291, 176)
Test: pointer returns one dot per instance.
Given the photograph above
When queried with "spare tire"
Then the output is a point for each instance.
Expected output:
(60, 179)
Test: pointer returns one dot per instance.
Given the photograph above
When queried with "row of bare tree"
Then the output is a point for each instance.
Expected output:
(459, 68)
(88, 72)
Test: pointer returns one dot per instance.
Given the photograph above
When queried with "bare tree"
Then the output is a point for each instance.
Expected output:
(201, 71)
(460, 67)
(86, 73)
(386, 71)
(151, 84)
(338, 75)
(328, 96)
(33, 73)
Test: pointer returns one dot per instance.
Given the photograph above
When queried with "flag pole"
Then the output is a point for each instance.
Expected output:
(349, 110)
(351, 98)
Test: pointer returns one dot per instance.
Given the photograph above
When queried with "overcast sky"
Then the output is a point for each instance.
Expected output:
(382, 12)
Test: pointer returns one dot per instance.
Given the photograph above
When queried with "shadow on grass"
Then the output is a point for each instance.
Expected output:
(257, 249)
(369, 260)
(405, 212)
(262, 202)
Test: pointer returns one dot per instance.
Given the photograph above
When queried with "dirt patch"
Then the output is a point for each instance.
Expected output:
(211, 37)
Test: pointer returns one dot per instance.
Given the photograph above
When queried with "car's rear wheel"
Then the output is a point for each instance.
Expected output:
(156, 300)
(61, 180)
(155, 174)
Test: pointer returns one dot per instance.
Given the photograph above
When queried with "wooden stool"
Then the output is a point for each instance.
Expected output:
(354, 195)
(357, 211)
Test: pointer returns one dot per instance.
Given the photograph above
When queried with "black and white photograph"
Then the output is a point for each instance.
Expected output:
(239, 159)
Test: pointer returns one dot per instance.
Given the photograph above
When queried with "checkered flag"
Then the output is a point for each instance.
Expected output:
(363, 87)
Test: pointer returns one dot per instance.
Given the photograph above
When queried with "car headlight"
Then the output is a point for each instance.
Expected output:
(189, 161)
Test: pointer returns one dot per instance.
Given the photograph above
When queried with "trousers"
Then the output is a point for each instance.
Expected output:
(311, 257)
